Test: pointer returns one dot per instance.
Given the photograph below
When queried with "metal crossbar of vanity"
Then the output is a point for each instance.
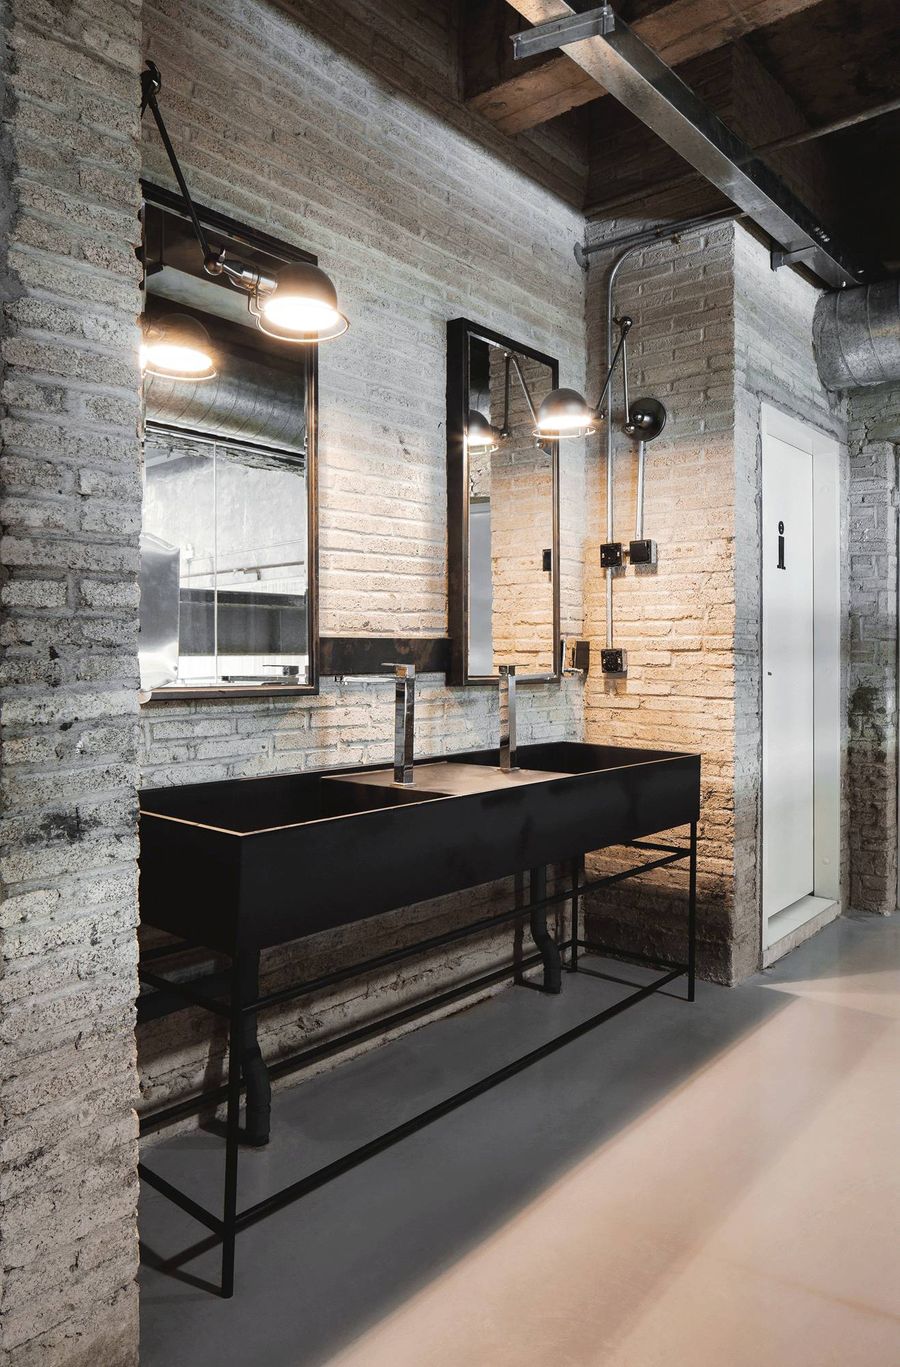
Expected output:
(244, 865)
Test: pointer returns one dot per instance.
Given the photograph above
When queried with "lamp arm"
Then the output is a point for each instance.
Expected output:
(514, 360)
(151, 81)
(504, 430)
(625, 325)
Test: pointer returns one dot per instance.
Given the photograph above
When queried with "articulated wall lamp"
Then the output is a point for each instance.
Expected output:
(481, 435)
(566, 413)
(296, 304)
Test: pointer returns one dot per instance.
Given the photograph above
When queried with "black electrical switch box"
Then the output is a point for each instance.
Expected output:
(642, 552)
(547, 561)
(611, 555)
(612, 661)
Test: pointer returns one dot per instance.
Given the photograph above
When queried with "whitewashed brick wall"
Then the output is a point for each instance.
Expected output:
(677, 621)
(417, 223)
(872, 761)
(70, 509)
(336, 124)
(716, 333)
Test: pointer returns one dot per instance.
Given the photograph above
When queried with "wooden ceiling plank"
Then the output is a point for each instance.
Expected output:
(678, 31)
(553, 88)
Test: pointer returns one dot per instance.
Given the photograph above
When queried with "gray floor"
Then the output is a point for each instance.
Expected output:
(332, 1268)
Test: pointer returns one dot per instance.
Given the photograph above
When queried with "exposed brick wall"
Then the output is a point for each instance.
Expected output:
(716, 333)
(418, 222)
(336, 125)
(70, 510)
(872, 762)
(676, 621)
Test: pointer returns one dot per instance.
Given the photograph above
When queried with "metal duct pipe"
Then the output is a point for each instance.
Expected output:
(856, 336)
(247, 400)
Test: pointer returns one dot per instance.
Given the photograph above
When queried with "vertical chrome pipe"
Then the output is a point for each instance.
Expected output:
(639, 509)
(610, 353)
(508, 718)
(404, 721)
(662, 234)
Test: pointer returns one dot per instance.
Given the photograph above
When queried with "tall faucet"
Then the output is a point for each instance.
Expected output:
(404, 717)
(508, 718)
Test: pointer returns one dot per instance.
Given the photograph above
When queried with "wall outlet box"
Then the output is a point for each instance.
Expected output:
(611, 555)
(613, 661)
(642, 552)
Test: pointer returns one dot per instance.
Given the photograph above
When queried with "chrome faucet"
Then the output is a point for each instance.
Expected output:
(508, 718)
(404, 718)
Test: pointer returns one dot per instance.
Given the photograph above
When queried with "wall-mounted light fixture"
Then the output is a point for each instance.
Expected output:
(177, 347)
(481, 435)
(566, 413)
(296, 304)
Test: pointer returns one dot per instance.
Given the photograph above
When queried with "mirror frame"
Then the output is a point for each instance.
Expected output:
(459, 333)
(161, 198)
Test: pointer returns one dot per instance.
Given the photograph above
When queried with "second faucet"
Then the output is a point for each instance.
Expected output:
(508, 718)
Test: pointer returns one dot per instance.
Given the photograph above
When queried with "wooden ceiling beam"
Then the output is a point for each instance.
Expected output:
(677, 31)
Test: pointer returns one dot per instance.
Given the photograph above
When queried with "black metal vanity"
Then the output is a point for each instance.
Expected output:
(244, 865)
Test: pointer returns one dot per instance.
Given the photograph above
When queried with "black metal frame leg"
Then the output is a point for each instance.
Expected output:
(692, 916)
(544, 941)
(232, 1133)
(577, 878)
(258, 1093)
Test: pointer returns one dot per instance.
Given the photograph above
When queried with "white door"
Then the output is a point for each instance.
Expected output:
(788, 767)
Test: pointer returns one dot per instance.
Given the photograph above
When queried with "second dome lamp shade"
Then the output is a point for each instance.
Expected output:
(177, 347)
(480, 435)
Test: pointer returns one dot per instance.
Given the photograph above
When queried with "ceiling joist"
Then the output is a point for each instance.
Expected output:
(677, 31)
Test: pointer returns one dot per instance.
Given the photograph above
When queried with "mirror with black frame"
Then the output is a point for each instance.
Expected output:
(503, 509)
(228, 544)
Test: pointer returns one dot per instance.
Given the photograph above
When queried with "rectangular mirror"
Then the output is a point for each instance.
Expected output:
(503, 509)
(228, 545)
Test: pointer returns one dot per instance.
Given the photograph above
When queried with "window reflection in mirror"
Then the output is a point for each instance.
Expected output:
(227, 546)
(511, 514)
(236, 521)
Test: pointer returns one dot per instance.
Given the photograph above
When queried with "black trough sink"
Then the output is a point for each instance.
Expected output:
(249, 863)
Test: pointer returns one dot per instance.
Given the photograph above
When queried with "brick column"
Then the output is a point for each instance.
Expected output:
(872, 707)
(70, 499)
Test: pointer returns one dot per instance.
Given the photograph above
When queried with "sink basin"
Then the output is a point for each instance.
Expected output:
(250, 863)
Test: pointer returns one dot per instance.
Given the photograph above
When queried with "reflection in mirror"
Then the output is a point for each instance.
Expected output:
(235, 520)
(227, 573)
(511, 508)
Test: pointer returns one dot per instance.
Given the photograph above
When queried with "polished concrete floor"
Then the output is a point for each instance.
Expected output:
(706, 1186)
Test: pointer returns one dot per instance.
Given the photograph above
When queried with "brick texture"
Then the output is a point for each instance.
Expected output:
(872, 760)
(716, 333)
(336, 124)
(70, 510)
(404, 199)
(675, 621)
